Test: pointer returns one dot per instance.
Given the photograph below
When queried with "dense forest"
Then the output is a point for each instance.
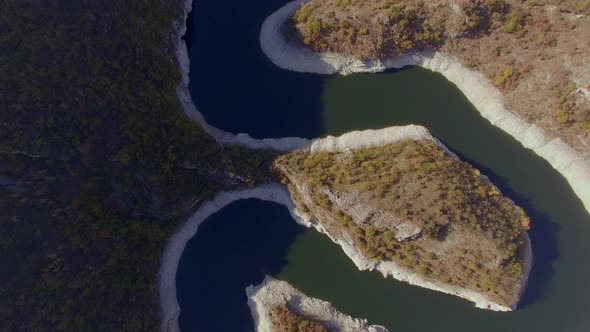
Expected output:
(98, 163)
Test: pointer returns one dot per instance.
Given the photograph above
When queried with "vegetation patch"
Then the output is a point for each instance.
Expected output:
(286, 320)
(405, 29)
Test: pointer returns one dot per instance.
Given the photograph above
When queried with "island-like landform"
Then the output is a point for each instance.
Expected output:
(278, 307)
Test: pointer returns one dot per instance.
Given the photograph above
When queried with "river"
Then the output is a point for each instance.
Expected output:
(237, 89)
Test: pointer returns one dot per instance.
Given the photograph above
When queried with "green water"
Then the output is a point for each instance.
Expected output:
(558, 296)
(254, 96)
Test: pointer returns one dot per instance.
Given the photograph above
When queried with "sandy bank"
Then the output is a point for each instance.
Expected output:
(271, 293)
(481, 93)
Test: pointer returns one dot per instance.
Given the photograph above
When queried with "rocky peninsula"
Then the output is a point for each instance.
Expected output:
(276, 306)
(284, 47)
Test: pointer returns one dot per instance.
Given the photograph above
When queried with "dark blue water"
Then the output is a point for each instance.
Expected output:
(251, 95)
(231, 75)
(235, 248)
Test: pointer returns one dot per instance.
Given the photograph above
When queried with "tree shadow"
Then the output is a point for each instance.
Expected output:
(395, 70)
(543, 234)
(234, 248)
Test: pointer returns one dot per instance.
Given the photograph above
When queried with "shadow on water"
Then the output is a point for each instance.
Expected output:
(238, 89)
(233, 249)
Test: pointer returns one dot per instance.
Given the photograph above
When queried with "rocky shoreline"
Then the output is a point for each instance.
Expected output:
(271, 293)
(487, 99)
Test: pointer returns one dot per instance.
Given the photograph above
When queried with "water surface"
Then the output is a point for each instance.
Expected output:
(239, 90)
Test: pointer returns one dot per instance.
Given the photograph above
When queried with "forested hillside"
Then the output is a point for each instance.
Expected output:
(98, 163)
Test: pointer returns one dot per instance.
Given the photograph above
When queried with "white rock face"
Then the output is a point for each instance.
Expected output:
(271, 293)
(481, 93)
(361, 139)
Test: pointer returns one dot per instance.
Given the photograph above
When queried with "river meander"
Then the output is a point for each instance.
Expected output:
(237, 89)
